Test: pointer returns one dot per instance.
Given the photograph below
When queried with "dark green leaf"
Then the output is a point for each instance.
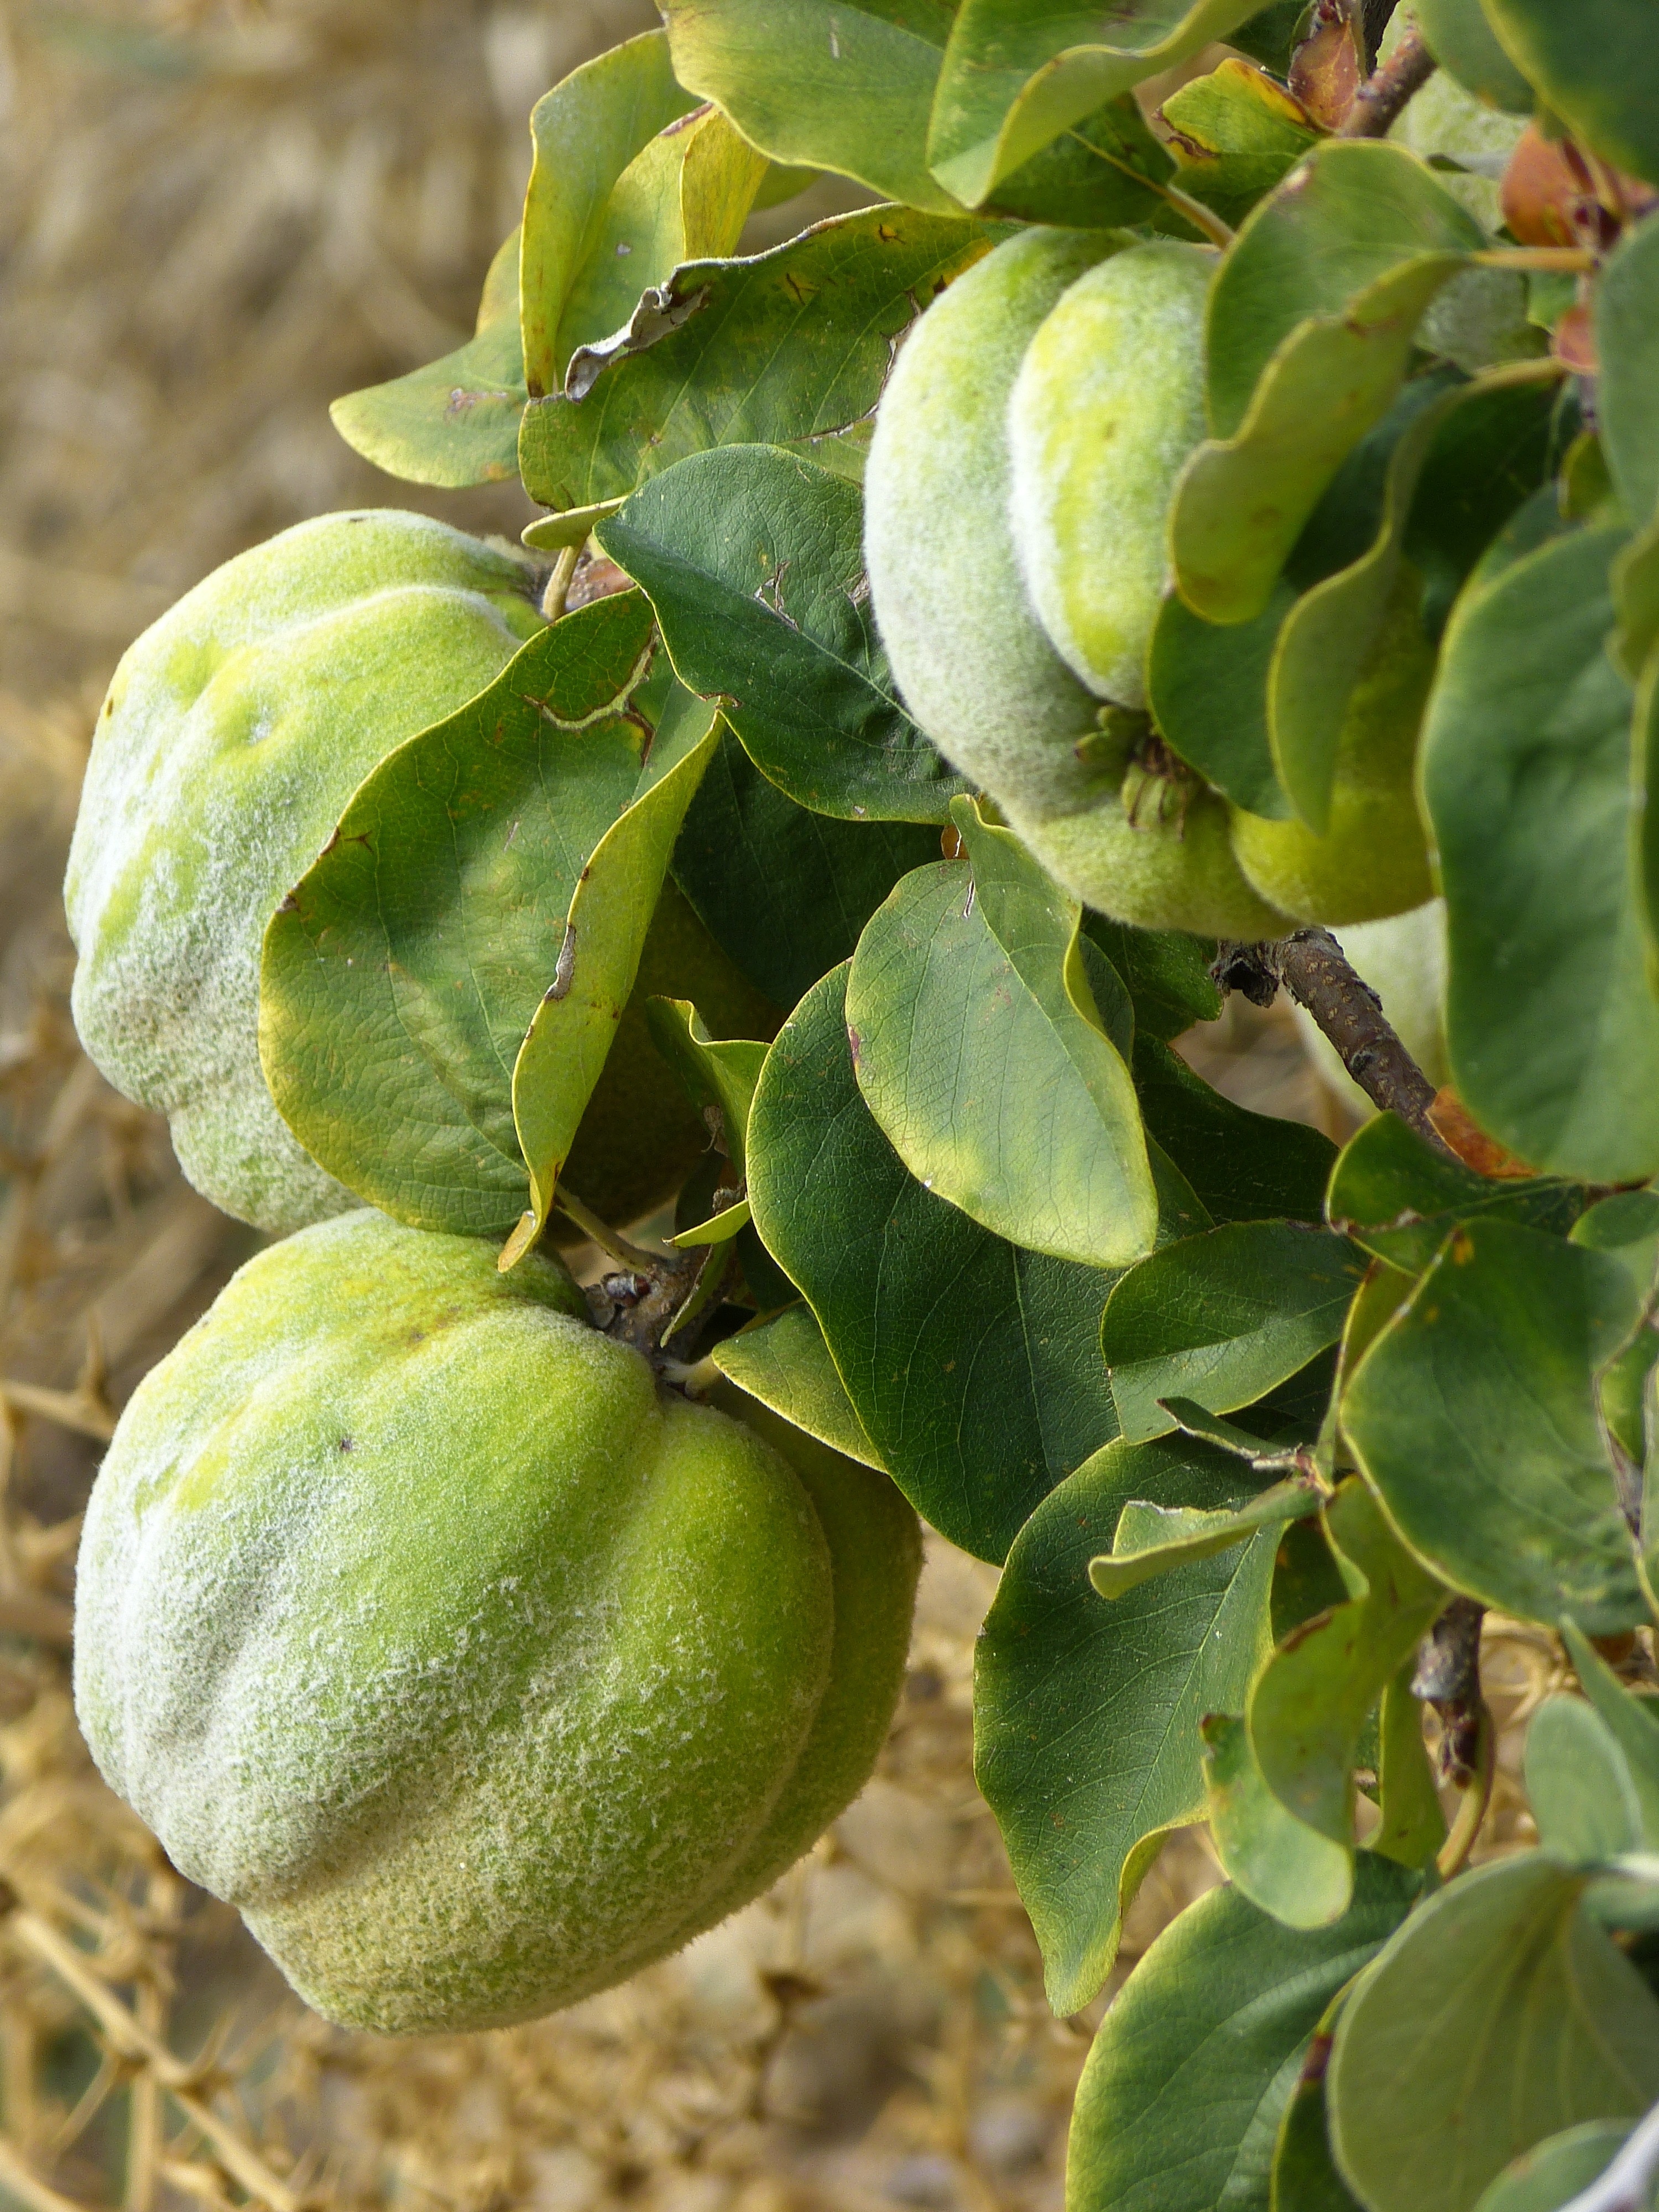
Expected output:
(1475, 1415)
(1633, 1726)
(399, 977)
(983, 1057)
(1308, 1709)
(1397, 1197)
(1182, 2099)
(754, 560)
(1206, 683)
(1243, 1166)
(785, 892)
(719, 1074)
(571, 1029)
(1223, 1317)
(792, 347)
(1597, 66)
(1152, 1539)
(1237, 134)
(1548, 2178)
(456, 420)
(1552, 1029)
(1498, 2016)
(1311, 329)
(1462, 41)
(1166, 974)
(1086, 1715)
(1626, 308)
(972, 1363)
(841, 87)
(585, 131)
(786, 1364)
(1304, 2175)
(1412, 1828)
(1104, 171)
(1014, 78)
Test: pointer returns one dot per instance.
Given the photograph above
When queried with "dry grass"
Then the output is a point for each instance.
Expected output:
(213, 218)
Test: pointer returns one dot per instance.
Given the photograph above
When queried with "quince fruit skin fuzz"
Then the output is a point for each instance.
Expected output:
(1107, 409)
(474, 1669)
(974, 665)
(1373, 860)
(235, 729)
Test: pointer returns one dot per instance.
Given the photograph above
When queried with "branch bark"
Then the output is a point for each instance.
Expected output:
(1311, 966)
(1385, 93)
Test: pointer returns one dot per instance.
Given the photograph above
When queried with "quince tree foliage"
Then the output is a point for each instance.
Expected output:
(1207, 499)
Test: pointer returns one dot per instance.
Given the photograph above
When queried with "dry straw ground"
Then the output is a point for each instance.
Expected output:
(212, 219)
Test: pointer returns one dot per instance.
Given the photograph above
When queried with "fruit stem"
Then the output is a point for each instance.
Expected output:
(1385, 93)
(558, 584)
(699, 1375)
(1571, 260)
(614, 1246)
(1311, 966)
(1477, 1800)
(1201, 218)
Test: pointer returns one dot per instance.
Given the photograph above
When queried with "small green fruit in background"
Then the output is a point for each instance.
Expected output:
(1404, 961)
(474, 1669)
(1155, 851)
(1373, 860)
(234, 732)
(971, 660)
(1107, 405)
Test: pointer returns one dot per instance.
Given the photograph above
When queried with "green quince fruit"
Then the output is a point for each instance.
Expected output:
(476, 1668)
(974, 663)
(1373, 860)
(1107, 409)
(234, 732)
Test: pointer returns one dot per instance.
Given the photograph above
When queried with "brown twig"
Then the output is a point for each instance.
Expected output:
(1311, 966)
(1385, 93)
(1448, 1677)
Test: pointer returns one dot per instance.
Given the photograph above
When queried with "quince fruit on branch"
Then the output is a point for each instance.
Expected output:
(1016, 502)
(474, 1667)
(234, 732)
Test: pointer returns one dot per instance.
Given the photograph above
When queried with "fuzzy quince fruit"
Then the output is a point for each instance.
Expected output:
(1114, 819)
(1106, 410)
(1373, 860)
(234, 732)
(476, 1670)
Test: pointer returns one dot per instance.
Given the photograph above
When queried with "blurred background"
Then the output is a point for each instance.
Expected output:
(215, 217)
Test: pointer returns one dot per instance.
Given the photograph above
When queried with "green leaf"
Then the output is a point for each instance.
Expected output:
(847, 88)
(569, 1034)
(1626, 311)
(1166, 974)
(1310, 329)
(719, 1075)
(785, 1363)
(1105, 171)
(1086, 1715)
(1498, 2016)
(456, 420)
(1461, 40)
(1625, 1226)
(1237, 134)
(1549, 2178)
(1397, 1197)
(1473, 1413)
(784, 892)
(1181, 2101)
(1308, 1708)
(1579, 1785)
(790, 347)
(972, 1363)
(1207, 684)
(1281, 1864)
(1151, 1540)
(1597, 66)
(1304, 2175)
(981, 1054)
(754, 561)
(1484, 463)
(1553, 1032)
(584, 131)
(1413, 1828)
(1241, 1166)
(1014, 78)
(1634, 1727)
(399, 977)
(1333, 629)
(1223, 1317)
